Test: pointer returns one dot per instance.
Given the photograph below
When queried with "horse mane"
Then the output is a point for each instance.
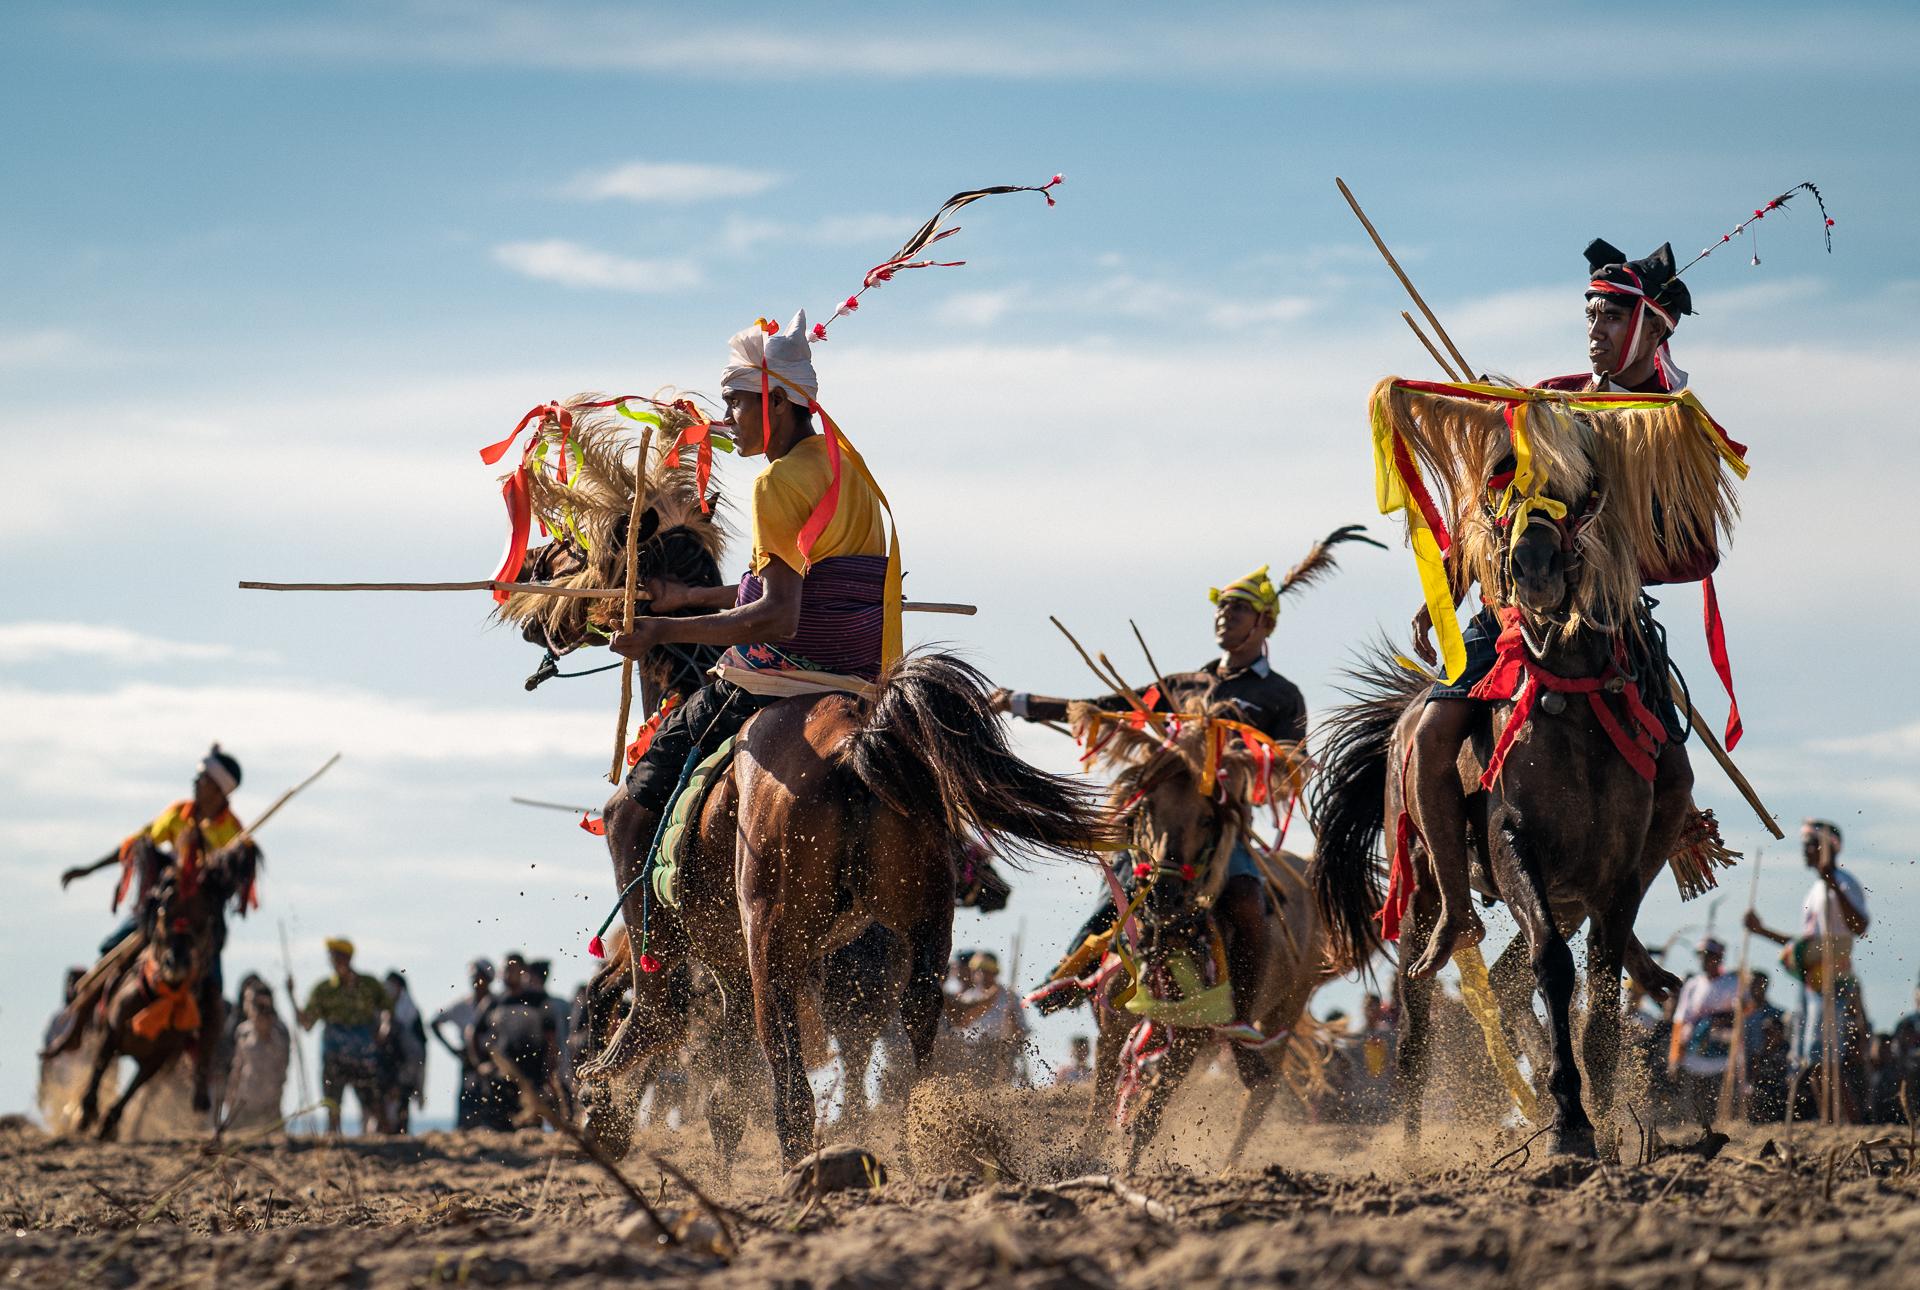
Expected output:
(1656, 472)
(588, 515)
(1135, 753)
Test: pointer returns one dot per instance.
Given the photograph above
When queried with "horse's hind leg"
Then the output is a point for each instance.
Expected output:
(1511, 978)
(928, 945)
(656, 1023)
(103, 1059)
(1554, 975)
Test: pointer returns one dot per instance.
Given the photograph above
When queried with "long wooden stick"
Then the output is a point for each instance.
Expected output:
(246, 834)
(1707, 737)
(1405, 281)
(293, 1002)
(1159, 677)
(1091, 665)
(626, 603)
(1732, 1085)
(545, 589)
(554, 806)
(1438, 357)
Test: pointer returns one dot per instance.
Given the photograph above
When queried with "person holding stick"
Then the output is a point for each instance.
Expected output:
(1821, 957)
(1245, 613)
(1632, 309)
(816, 601)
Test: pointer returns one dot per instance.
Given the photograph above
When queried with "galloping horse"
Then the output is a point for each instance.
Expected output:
(837, 812)
(168, 1001)
(1182, 834)
(1575, 797)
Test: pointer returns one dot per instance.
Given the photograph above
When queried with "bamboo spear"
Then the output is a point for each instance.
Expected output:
(1431, 348)
(626, 604)
(1405, 281)
(1712, 743)
(544, 589)
(1732, 1083)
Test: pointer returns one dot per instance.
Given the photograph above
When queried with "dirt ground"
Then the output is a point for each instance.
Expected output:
(981, 1191)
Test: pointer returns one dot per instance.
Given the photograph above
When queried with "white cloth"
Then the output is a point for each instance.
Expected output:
(1702, 997)
(787, 354)
(1821, 913)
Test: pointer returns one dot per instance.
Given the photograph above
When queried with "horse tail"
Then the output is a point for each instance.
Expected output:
(1348, 801)
(929, 745)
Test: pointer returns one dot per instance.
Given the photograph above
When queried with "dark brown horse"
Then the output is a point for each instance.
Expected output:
(837, 813)
(1569, 834)
(1183, 838)
(168, 1001)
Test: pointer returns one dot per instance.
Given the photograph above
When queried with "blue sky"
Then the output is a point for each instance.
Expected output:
(271, 278)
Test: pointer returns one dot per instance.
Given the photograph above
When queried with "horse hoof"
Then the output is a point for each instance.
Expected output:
(608, 1130)
(1575, 1142)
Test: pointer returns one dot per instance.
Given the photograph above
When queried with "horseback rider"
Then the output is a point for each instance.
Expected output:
(1245, 613)
(1632, 309)
(184, 833)
(817, 610)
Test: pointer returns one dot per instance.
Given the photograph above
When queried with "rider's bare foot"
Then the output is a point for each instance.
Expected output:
(1449, 934)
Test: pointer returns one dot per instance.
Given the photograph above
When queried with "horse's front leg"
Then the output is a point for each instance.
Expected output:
(656, 1024)
(1607, 938)
(1259, 1072)
(1183, 1049)
(630, 830)
(206, 1043)
(103, 1059)
(149, 1066)
(1553, 974)
(1415, 997)
(1110, 1040)
(728, 1101)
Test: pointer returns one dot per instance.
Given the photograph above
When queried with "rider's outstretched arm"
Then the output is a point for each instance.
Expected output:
(81, 871)
(774, 616)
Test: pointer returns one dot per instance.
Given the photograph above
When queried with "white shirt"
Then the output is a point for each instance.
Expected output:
(1702, 997)
(1821, 912)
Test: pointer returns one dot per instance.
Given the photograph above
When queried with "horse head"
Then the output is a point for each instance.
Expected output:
(680, 537)
(180, 927)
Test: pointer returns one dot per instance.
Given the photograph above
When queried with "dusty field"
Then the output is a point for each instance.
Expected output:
(1317, 1205)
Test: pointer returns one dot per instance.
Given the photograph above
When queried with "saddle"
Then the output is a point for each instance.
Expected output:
(683, 815)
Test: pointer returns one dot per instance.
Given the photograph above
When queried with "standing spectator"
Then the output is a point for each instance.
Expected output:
(349, 1006)
(1078, 1068)
(1701, 1041)
(258, 1079)
(1833, 914)
(403, 1056)
(1769, 1053)
(991, 1020)
(519, 1026)
(538, 973)
(474, 1109)
(1904, 1053)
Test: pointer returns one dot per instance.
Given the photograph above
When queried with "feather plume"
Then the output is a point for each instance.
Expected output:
(1320, 562)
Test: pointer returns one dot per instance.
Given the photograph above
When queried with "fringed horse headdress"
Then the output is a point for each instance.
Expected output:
(1635, 480)
(576, 482)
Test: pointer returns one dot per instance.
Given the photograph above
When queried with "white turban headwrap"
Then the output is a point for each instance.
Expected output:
(787, 354)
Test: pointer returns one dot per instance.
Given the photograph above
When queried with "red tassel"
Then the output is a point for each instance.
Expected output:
(596, 827)
(1188, 872)
(597, 948)
(649, 964)
(1142, 869)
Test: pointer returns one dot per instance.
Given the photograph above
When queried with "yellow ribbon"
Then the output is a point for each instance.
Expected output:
(1391, 494)
(1477, 989)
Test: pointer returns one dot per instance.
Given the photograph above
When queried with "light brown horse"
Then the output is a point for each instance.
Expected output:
(168, 1001)
(838, 813)
(1184, 838)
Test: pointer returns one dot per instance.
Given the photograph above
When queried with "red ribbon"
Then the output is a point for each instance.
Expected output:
(643, 737)
(1516, 675)
(699, 437)
(1417, 489)
(1722, 664)
(596, 827)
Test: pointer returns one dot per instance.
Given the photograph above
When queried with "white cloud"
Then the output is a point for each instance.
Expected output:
(671, 183)
(45, 347)
(572, 265)
(32, 642)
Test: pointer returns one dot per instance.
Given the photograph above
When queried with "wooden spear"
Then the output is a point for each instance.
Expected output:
(626, 603)
(1431, 349)
(544, 589)
(1706, 734)
(1405, 281)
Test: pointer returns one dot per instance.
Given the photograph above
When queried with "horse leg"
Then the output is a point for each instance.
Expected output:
(1554, 976)
(103, 1059)
(1607, 937)
(1110, 1038)
(928, 946)
(1183, 1049)
(212, 1021)
(1438, 805)
(1416, 1009)
(1511, 978)
(1257, 1072)
(656, 1023)
(148, 1067)
(727, 1101)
